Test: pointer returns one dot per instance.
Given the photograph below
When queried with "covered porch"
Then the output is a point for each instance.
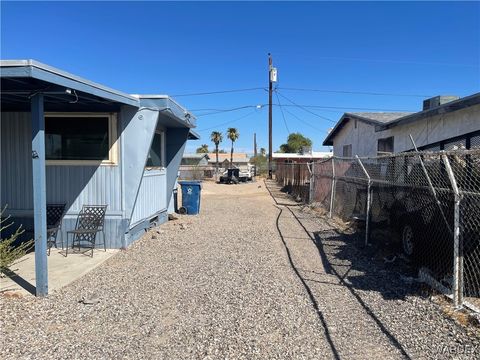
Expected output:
(61, 271)
(67, 140)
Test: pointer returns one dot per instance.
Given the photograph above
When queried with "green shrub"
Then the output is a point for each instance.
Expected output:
(8, 252)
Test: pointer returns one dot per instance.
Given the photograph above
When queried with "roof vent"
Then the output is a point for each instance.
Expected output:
(437, 101)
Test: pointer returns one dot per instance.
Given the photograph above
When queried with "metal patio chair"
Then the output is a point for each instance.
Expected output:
(55, 213)
(90, 221)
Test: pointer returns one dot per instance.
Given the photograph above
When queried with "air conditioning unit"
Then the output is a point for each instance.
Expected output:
(437, 101)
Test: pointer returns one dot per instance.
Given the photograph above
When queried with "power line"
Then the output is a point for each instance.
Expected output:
(283, 115)
(352, 92)
(294, 104)
(228, 122)
(306, 123)
(305, 109)
(324, 107)
(221, 111)
(349, 108)
(219, 92)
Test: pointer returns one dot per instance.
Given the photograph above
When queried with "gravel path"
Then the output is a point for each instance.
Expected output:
(247, 278)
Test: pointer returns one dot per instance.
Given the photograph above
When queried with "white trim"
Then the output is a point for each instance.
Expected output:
(113, 140)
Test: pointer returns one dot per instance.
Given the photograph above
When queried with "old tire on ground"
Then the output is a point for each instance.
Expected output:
(407, 234)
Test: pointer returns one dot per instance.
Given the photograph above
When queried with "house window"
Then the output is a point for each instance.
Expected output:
(80, 139)
(385, 146)
(347, 150)
(156, 155)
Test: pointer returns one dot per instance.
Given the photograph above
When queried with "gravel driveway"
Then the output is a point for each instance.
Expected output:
(247, 278)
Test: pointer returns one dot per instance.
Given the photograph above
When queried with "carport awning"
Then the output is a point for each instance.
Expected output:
(21, 79)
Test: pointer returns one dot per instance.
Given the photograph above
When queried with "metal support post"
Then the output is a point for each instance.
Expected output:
(367, 215)
(39, 195)
(457, 240)
(430, 184)
(311, 194)
(332, 193)
(292, 179)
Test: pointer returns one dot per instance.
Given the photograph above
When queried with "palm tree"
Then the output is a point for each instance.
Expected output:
(233, 135)
(203, 149)
(216, 137)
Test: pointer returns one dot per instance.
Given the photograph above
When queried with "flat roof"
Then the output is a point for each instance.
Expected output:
(313, 155)
(22, 78)
(40, 71)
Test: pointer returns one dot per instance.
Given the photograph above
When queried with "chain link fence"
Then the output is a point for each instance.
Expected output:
(422, 205)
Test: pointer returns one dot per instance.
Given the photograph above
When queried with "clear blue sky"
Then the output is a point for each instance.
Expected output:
(178, 48)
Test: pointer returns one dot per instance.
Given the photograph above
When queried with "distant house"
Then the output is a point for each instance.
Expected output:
(194, 160)
(240, 160)
(446, 122)
(300, 158)
(195, 167)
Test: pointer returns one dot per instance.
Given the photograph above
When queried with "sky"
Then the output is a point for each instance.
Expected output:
(408, 50)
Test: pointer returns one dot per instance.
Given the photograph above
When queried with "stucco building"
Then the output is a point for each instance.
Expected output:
(444, 123)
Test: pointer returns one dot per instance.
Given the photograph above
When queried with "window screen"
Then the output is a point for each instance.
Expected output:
(347, 150)
(76, 138)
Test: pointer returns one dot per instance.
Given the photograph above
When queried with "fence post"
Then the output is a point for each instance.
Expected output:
(293, 175)
(312, 183)
(430, 184)
(367, 215)
(457, 241)
(332, 193)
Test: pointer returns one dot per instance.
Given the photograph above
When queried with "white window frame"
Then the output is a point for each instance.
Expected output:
(112, 140)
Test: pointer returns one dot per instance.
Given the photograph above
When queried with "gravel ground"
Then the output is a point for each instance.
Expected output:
(247, 278)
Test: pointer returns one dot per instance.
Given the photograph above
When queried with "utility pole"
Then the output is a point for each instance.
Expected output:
(255, 154)
(270, 115)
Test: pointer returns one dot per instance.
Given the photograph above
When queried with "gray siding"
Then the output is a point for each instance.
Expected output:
(152, 197)
(74, 185)
(16, 161)
(85, 185)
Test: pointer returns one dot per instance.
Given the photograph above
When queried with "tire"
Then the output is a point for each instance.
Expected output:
(407, 236)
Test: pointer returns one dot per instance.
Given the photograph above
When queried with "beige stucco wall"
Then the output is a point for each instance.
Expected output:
(434, 129)
(426, 131)
(363, 139)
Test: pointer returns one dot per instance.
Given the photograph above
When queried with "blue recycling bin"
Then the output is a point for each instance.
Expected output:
(191, 194)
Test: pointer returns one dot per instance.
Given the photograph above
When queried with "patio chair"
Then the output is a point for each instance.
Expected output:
(55, 213)
(90, 221)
